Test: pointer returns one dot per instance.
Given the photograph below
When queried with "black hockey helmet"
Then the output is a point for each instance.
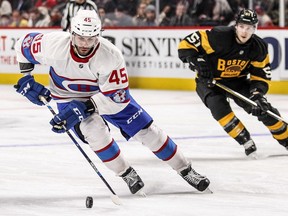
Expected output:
(247, 16)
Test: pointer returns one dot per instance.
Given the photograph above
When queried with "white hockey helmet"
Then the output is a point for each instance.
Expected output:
(86, 23)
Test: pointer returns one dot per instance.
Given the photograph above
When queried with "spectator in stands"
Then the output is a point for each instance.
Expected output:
(39, 17)
(22, 5)
(61, 5)
(18, 20)
(194, 9)
(129, 5)
(5, 8)
(264, 19)
(222, 12)
(237, 5)
(267, 5)
(181, 18)
(213, 12)
(110, 7)
(203, 13)
(148, 2)
(55, 17)
(5, 20)
(139, 18)
(165, 16)
(121, 18)
(104, 19)
(71, 9)
(150, 14)
(271, 8)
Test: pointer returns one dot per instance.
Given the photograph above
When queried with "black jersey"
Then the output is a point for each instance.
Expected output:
(226, 58)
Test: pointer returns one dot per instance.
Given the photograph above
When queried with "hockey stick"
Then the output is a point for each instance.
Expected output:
(115, 199)
(247, 100)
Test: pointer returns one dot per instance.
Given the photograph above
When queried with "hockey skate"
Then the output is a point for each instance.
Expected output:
(198, 181)
(250, 149)
(133, 180)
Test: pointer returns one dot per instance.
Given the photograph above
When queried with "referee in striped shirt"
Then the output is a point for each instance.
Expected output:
(71, 10)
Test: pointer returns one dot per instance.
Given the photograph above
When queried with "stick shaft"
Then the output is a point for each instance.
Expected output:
(247, 100)
(79, 147)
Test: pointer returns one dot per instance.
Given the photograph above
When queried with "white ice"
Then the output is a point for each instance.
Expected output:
(44, 174)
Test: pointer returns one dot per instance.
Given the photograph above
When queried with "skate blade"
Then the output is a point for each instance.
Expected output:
(141, 193)
(253, 156)
(208, 190)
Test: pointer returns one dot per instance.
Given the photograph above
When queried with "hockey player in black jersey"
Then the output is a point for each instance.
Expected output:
(237, 58)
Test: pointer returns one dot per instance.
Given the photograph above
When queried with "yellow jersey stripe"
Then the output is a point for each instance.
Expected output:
(261, 64)
(185, 45)
(205, 43)
(276, 126)
(226, 119)
(237, 130)
(282, 136)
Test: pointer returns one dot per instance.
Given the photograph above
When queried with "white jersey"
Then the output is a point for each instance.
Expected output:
(102, 75)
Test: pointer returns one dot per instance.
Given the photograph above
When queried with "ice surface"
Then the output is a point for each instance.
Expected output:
(44, 174)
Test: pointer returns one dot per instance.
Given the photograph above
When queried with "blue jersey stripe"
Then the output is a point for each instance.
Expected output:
(108, 153)
(26, 47)
(167, 150)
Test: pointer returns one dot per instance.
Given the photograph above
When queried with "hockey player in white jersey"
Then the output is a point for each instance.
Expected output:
(89, 82)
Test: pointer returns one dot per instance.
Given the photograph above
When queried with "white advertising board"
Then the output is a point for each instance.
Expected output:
(150, 52)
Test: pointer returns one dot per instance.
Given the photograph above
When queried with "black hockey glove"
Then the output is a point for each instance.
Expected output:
(199, 65)
(262, 103)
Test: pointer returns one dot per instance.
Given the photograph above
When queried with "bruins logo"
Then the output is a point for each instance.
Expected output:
(231, 71)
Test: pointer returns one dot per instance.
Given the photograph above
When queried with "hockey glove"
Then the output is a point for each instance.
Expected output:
(262, 104)
(28, 87)
(72, 114)
(199, 65)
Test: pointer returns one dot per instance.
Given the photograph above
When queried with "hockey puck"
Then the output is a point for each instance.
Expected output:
(89, 202)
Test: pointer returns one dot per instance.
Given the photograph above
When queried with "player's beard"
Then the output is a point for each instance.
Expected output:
(83, 52)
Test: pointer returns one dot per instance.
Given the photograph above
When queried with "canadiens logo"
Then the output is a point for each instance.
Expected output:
(119, 96)
(27, 42)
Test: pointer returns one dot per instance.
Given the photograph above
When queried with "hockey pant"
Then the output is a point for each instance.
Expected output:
(217, 100)
(95, 131)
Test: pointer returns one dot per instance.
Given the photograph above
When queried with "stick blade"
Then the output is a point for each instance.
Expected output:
(115, 199)
(141, 193)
